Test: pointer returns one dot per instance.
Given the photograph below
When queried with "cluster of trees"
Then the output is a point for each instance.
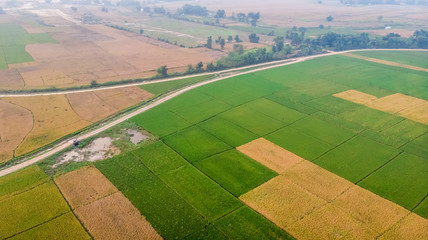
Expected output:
(158, 10)
(251, 18)
(221, 41)
(296, 35)
(193, 10)
(197, 69)
(340, 42)
(389, 2)
(220, 14)
(253, 38)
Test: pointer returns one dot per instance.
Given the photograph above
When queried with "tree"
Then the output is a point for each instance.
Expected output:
(94, 84)
(278, 44)
(199, 66)
(237, 39)
(254, 38)
(238, 48)
(220, 14)
(162, 71)
(329, 18)
(104, 9)
(379, 19)
(321, 26)
(48, 1)
(210, 67)
(241, 17)
(190, 69)
(210, 42)
(254, 17)
(141, 31)
(222, 43)
(230, 38)
(74, 9)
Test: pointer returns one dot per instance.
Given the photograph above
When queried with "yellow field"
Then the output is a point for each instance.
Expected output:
(15, 123)
(270, 155)
(84, 186)
(415, 109)
(114, 217)
(311, 203)
(53, 119)
(104, 211)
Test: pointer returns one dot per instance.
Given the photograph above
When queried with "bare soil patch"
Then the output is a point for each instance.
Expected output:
(11, 79)
(270, 155)
(84, 186)
(410, 228)
(114, 217)
(15, 123)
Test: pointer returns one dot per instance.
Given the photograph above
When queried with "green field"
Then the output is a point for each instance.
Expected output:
(418, 59)
(295, 109)
(13, 39)
(163, 87)
(32, 207)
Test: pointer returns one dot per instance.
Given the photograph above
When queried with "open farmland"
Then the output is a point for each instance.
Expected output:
(298, 111)
(40, 120)
(32, 208)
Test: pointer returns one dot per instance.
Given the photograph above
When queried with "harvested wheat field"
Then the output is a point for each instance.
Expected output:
(105, 212)
(84, 186)
(413, 108)
(15, 123)
(310, 202)
(410, 228)
(97, 105)
(356, 96)
(53, 119)
(385, 62)
(270, 155)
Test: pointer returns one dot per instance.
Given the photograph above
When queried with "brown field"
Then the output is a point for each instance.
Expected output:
(376, 212)
(356, 97)
(15, 123)
(410, 228)
(10, 79)
(53, 118)
(270, 155)
(84, 186)
(317, 180)
(114, 217)
(282, 201)
(415, 109)
(103, 210)
(311, 203)
(330, 222)
(97, 105)
(385, 62)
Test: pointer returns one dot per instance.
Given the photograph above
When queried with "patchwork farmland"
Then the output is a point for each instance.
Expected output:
(277, 154)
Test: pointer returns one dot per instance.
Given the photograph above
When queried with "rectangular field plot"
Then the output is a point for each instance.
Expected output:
(235, 172)
(227, 132)
(422, 209)
(206, 196)
(202, 111)
(293, 100)
(332, 105)
(403, 180)
(160, 121)
(159, 158)
(275, 110)
(252, 120)
(247, 224)
(371, 118)
(418, 147)
(299, 143)
(270, 155)
(31, 208)
(357, 158)
(168, 213)
(195, 143)
(411, 227)
(322, 130)
(21, 181)
(209, 232)
(65, 226)
(414, 58)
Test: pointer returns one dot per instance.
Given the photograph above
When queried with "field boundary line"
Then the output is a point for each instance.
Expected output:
(381, 166)
(67, 143)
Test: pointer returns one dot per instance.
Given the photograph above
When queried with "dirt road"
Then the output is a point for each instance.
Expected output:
(65, 144)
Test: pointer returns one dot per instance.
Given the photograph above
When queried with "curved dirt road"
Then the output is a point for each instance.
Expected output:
(65, 144)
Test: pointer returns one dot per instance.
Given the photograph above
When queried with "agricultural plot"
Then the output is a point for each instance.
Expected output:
(179, 200)
(418, 59)
(312, 203)
(33, 207)
(104, 211)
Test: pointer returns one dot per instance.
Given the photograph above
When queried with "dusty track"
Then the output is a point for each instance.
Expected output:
(63, 145)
